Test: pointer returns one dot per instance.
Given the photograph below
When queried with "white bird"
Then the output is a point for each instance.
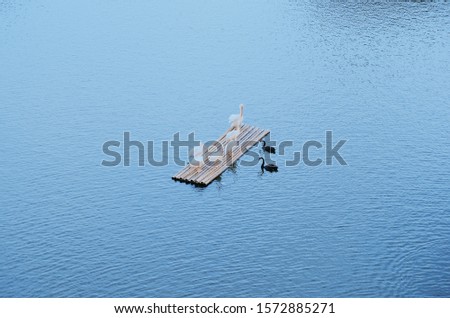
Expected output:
(237, 119)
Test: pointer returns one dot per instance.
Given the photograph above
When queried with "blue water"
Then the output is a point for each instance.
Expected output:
(74, 74)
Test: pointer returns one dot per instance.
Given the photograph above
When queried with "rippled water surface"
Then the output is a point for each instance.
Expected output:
(74, 74)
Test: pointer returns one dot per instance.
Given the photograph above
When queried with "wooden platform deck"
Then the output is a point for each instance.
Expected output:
(207, 173)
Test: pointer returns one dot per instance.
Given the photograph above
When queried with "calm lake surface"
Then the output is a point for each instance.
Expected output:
(74, 74)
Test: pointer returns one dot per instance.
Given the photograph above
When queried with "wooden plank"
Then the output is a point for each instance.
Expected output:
(193, 174)
(237, 154)
(225, 164)
(231, 158)
(188, 172)
(248, 136)
(225, 143)
(254, 135)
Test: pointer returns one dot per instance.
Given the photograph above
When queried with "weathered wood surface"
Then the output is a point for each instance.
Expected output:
(207, 173)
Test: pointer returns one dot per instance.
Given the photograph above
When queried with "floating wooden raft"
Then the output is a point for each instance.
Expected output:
(203, 176)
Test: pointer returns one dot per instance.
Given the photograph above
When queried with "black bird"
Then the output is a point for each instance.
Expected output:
(268, 148)
(269, 167)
